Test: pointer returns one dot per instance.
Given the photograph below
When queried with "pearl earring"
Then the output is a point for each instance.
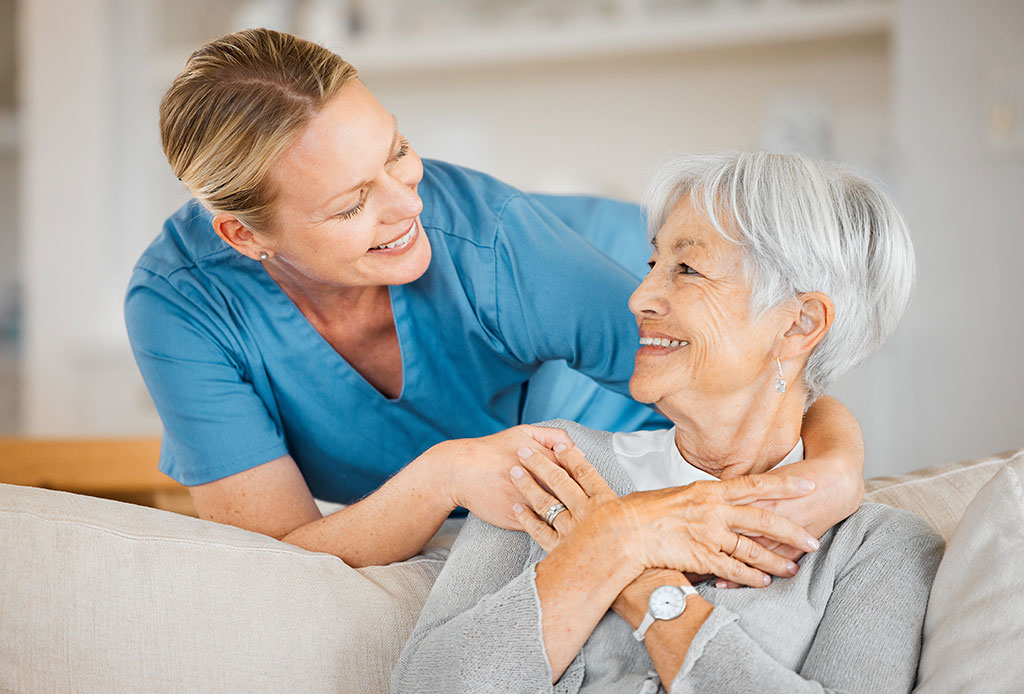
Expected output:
(263, 255)
(780, 382)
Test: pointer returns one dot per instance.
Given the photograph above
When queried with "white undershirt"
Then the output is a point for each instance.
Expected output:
(653, 462)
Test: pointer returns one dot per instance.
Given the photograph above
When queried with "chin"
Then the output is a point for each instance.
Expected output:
(417, 263)
(642, 390)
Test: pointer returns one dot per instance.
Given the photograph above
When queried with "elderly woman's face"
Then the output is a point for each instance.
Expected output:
(696, 297)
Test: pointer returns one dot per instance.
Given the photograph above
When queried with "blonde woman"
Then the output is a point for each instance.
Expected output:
(329, 307)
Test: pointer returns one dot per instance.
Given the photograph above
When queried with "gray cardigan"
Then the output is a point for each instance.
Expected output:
(849, 621)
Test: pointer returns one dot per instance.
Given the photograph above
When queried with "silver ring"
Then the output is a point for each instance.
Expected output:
(553, 512)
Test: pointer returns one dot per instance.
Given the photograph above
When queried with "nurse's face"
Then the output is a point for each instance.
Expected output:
(347, 211)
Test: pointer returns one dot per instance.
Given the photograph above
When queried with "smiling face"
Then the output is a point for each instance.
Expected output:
(347, 211)
(698, 341)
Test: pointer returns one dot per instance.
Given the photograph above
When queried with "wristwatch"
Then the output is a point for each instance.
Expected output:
(666, 602)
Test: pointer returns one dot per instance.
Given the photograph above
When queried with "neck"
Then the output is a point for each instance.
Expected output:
(744, 434)
(324, 303)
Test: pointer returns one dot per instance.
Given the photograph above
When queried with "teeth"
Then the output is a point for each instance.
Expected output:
(399, 241)
(661, 342)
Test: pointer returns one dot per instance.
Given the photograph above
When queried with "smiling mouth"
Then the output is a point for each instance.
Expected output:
(662, 342)
(400, 241)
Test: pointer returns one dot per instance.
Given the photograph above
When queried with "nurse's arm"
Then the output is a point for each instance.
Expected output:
(392, 524)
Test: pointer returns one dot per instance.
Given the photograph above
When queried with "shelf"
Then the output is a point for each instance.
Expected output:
(8, 131)
(772, 24)
(641, 34)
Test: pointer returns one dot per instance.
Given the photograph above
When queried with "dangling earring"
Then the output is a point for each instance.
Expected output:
(263, 255)
(780, 382)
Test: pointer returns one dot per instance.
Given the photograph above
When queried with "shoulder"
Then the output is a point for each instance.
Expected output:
(462, 203)
(877, 529)
(186, 239)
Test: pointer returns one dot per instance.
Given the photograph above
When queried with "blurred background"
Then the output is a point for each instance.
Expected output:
(926, 96)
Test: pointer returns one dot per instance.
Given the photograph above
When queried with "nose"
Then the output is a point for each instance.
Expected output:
(399, 196)
(648, 300)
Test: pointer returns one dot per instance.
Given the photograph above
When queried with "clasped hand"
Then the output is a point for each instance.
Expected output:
(702, 528)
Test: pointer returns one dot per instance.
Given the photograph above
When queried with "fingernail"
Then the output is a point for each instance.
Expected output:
(720, 584)
(559, 447)
(517, 472)
(517, 508)
(806, 485)
(813, 544)
(766, 580)
(524, 453)
(792, 568)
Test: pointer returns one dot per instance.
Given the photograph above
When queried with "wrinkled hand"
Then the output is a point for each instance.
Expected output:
(474, 472)
(702, 528)
(705, 528)
(570, 479)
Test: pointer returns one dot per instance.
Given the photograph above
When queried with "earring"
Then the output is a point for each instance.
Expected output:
(263, 255)
(780, 382)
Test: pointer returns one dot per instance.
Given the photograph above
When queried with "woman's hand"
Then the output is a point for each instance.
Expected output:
(473, 473)
(570, 480)
(702, 528)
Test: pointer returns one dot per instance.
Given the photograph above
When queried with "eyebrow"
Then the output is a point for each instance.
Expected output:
(679, 244)
(394, 142)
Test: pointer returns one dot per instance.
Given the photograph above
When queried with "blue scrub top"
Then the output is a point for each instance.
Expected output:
(514, 320)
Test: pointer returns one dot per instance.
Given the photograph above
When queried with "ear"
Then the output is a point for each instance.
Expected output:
(811, 323)
(237, 235)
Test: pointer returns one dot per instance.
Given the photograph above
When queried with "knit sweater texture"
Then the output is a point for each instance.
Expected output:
(850, 621)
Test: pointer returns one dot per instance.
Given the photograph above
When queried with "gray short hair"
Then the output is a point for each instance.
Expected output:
(804, 226)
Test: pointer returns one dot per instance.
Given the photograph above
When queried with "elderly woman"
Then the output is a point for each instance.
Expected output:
(328, 307)
(771, 276)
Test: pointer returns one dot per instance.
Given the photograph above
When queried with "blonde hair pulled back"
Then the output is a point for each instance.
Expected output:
(239, 103)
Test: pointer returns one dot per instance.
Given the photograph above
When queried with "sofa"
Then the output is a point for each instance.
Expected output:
(102, 596)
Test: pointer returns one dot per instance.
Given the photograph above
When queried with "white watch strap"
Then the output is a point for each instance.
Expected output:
(641, 631)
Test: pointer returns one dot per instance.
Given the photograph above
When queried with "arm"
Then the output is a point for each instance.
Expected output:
(479, 629)
(834, 459)
(394, 522)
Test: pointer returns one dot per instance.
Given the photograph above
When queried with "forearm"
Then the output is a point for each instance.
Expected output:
(576, 584)
(834, 444)
(667, 641)
(391, 524)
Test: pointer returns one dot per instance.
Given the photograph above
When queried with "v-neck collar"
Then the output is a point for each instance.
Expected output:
(290, 314)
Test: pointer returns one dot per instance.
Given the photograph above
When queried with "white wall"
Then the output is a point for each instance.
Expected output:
(961, 177)
(949, 384)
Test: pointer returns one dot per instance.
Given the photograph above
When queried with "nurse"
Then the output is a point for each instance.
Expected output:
(329, 308)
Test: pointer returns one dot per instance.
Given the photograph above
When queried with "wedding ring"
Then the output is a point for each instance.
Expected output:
(738, 538)
(553, 512)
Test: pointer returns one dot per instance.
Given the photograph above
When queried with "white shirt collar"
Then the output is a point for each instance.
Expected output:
(653, 462)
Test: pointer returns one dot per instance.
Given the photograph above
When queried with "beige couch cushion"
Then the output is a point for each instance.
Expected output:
(974, 628)
(940, 493)
(98, 596)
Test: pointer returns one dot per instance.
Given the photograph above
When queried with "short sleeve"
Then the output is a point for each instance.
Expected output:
(559, 297)
(215, 424)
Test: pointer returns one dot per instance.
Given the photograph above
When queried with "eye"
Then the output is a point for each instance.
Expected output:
(687, 270)
(352, 211)
(403, 149)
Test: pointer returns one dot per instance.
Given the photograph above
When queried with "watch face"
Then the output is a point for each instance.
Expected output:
(667, 602)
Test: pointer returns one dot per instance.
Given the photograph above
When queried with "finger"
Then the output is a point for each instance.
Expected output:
(747, 520)
(538, 499)
(549, 437)
(753, 554)
(736, 571)
(726, 584)
(541, 532)
(588, 478)
(750, 488)
(553, 476)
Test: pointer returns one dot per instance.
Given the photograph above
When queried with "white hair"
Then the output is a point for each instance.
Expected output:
(804, 226)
